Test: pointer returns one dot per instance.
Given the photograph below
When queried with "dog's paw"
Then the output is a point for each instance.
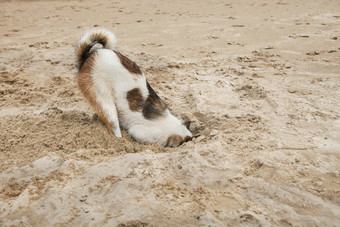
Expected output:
(176, 140)
(117, 132)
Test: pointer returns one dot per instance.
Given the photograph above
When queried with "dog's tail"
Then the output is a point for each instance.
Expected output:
(92, 40)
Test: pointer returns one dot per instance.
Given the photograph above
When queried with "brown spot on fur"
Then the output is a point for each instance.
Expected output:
(154, 106)
(135, 99)
(85, 85)
(176, 140)
(131, 66)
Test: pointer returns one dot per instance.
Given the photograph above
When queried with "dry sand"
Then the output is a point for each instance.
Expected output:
(260, 80)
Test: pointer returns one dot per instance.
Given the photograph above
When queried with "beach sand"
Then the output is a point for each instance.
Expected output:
(259, 79)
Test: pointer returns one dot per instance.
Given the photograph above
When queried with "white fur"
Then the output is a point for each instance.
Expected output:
(112, 82)
(104, 98)
(86, 38)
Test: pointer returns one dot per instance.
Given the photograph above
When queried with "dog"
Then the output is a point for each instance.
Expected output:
(120, 94)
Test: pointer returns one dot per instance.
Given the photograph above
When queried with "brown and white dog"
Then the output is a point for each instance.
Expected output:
(120, 94)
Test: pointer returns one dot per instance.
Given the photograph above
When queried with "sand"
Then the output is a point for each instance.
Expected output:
(259, 79)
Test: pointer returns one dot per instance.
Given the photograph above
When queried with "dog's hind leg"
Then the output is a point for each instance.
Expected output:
(100, 97)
